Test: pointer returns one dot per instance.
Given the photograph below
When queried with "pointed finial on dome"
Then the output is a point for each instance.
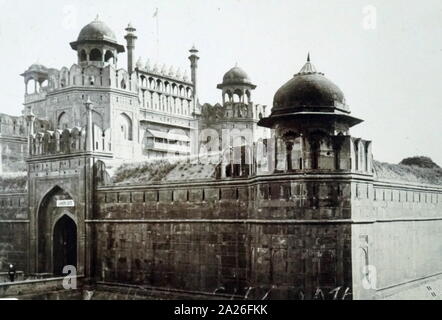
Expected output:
(97, 17)
(308, 67)
(193, 50)
(236, 64)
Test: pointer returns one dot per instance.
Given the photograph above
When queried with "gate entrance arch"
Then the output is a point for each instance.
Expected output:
(57, 233)
(64, 244)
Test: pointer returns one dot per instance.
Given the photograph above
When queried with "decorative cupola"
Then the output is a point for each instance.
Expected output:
(97, 45)
(312, 120)
(310, 99)
(236, 86)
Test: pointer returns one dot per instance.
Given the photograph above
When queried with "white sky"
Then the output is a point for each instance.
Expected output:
(391, 75)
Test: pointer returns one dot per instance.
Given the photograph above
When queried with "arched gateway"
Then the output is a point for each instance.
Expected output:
(57, 232)
(64, 244)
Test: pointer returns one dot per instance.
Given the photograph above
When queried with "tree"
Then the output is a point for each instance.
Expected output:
(419, 161)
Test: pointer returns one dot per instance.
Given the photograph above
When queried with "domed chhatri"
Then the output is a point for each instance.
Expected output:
(97, 31)
(307, 95)
(236, 86)
(236, 76)
(37, 67)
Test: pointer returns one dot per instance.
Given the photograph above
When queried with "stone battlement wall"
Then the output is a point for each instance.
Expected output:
(399, 234)
(287, 235)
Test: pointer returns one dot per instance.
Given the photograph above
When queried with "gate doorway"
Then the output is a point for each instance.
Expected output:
(64, 245)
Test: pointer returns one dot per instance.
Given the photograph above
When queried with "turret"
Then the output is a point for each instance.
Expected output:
(130, 39)
(312, 124)
(194, 67)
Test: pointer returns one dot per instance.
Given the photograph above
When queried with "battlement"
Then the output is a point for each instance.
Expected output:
(67, 141)
(301, 154)
(48, 80)
(232, 110)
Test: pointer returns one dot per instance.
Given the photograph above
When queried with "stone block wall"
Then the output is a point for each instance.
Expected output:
(397, 234)
(14, 230)
(268, 237)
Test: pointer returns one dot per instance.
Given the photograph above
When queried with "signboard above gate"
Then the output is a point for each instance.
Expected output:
(65, 203)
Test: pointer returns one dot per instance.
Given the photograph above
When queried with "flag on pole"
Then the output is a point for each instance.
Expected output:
(156, 13)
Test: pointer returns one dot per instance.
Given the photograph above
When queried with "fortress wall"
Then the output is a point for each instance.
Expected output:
(268, 235)
(403, 228)
(14, 230)
(12, 154)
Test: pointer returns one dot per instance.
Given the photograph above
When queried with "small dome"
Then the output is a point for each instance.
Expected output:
(97, 30)
(37, 67)
(308, 88)
(236, 75)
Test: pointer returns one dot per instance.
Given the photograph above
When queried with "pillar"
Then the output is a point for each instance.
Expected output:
(89, 138)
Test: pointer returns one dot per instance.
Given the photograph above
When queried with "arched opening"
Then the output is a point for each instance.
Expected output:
(109, 56)
(126, 127)
(95, 55)
(50, 256)
(64, 244)
(248, 96)
(63, 121)
(83, 56)
(238, 96)
(159, 85)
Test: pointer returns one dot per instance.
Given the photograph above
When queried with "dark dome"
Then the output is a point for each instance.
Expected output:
(308, 88)
(236, 75)
(307, 97)
(97, 30)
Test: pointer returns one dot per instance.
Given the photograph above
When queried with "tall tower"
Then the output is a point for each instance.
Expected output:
(130, 38)
(194, 67)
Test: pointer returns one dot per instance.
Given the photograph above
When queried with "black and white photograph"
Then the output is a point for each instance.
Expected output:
(237, 151)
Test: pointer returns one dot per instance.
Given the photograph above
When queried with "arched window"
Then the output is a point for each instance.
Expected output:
(63, 121)
(83, 56)
(126, 127)
(95, 55)
(108, 56)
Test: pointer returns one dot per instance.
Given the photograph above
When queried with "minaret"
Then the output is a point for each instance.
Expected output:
(193, 67)
(130, 38)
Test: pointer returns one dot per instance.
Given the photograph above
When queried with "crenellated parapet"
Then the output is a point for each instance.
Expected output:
(56, 142)
(212, 114)
(41, 81)
(298, 154)
(165, 83)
